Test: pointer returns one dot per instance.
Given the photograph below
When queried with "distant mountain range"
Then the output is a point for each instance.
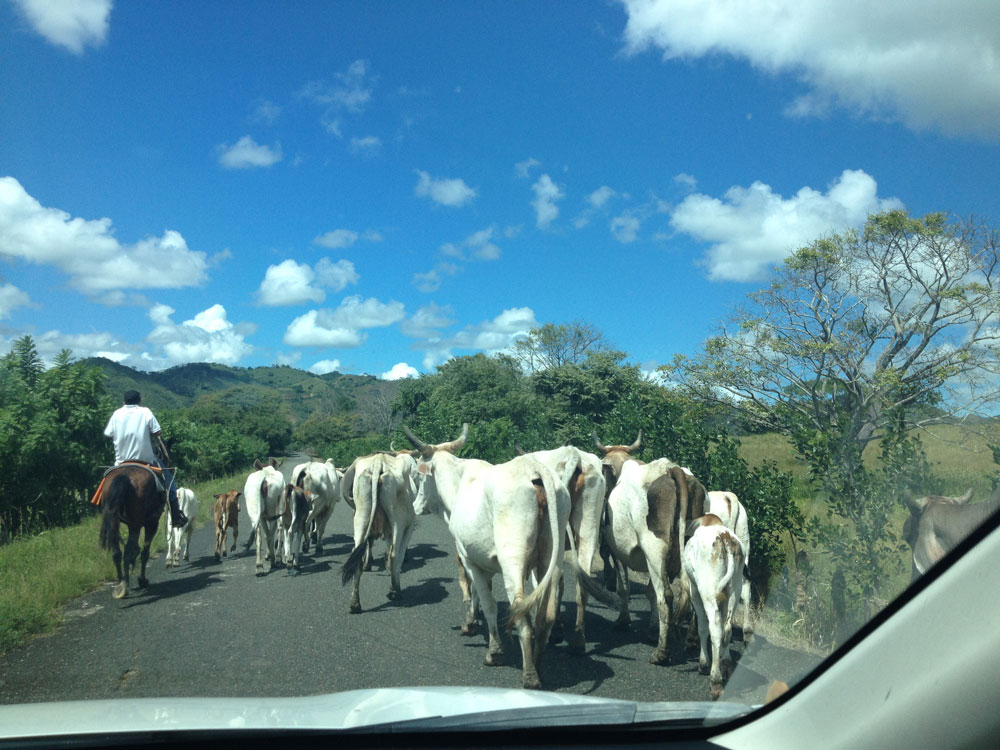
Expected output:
(301, 393)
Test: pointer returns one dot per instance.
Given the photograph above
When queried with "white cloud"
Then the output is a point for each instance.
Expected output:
(84, 345)
(480, 244)
(431, 280)
(325, 366)
(523, 168)
(600, 196)
(337, 238)
(447, 192)
(350, 91)
(752, 228)
(88, 252)
(546, 195)
(927, 65)
(208, 337)
(399, 371)
(247, 153)
(291, 283)
(686, 181)
(343, 326)
(625, 227)
(491, 336)
(12, 298)
(72, 24)
(367, 146)
(266, 112)
(426, 322)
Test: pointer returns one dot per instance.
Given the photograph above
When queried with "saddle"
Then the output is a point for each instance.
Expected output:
(156, 471)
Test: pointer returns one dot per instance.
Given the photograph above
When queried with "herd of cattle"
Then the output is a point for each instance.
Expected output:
(516, 519)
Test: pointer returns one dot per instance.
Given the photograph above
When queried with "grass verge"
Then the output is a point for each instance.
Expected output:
(40, 574)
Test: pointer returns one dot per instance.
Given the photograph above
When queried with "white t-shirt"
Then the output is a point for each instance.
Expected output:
(131, 428)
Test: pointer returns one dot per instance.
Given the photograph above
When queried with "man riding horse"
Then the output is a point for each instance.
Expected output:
(133, 429)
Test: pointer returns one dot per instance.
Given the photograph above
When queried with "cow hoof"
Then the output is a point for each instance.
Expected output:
(622, 623)
(659, 657)
(218, 557)
(557, 634)
(259, 571)
(494, 659)
(469, 630)
(652, 636)
(355, 608)
(531, 682)
(120, 590)
(703, 668)
(716, 691)
(393, 594)
(577, 645)
(319, 550)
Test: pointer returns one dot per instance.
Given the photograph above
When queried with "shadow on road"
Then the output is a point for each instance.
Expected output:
(169, 588)
(419, 554)
(428, 591)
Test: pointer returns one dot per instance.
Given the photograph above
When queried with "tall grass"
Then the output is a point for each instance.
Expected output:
(41, 573)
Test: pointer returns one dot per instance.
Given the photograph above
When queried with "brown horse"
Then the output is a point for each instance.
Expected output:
(130, 495)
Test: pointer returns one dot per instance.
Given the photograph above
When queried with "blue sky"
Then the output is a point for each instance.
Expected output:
(377, 187)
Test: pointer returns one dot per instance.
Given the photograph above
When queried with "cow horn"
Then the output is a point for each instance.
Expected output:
(417, 443)
(637, 444)
(519, 449)
(392, 445)
(601, 448)
(966, 497)
(455, 445)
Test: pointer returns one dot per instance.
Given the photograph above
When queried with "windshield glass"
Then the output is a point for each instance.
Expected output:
(610, 350)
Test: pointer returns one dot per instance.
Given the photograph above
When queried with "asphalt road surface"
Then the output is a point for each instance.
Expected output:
(212, 628)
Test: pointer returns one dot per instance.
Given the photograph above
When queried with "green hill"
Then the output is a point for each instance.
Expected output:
(299, 393)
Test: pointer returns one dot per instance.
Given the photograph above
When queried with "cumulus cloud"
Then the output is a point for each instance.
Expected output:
(72, 24)
(752, 228)
(207, 337)
(12, 298)
(447, 192)
(547, 193)
(247, 153)
(84, 345)
(600, 196)
(88, 252)
(427, 321)
(928, 66)
(291, 283)
(686, 181)
(490, 336)
(399, 371)
(431, 280)
(625, 227)
(343, 327)
(325, 366)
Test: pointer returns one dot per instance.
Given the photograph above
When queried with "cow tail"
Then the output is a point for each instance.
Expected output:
(726, 552)
(591, 586)
(114, 503)
(353, 563)
(253, 529)
(521, 608)
(680, 479)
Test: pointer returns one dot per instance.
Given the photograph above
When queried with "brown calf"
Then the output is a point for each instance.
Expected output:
(227, 516)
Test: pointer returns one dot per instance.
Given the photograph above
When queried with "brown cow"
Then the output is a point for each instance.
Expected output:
(937, 524)
(227, 515)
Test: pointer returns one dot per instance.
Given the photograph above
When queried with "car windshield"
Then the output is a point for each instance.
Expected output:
(609, 362)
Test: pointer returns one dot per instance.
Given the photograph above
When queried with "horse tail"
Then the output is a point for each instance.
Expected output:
(115, 498)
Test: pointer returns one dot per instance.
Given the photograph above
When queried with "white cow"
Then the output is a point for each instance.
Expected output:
(508, 519)
(263, 492)
(179, 537)
(383, 491)
(587, 492)
(713, 567)
(730, 510)
(644, 510)
(322, 481)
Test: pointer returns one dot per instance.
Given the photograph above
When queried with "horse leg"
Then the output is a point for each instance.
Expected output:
(121, 588)
(130, 555)
(147, 539)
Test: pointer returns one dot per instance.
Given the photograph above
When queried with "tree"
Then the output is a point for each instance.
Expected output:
(556, 345)
(856, 338)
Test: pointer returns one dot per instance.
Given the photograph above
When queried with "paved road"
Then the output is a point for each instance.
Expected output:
(214, 629)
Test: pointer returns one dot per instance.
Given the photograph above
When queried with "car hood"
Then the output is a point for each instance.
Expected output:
(425, 708)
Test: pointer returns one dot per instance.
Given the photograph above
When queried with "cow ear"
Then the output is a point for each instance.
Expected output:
(257, 464)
